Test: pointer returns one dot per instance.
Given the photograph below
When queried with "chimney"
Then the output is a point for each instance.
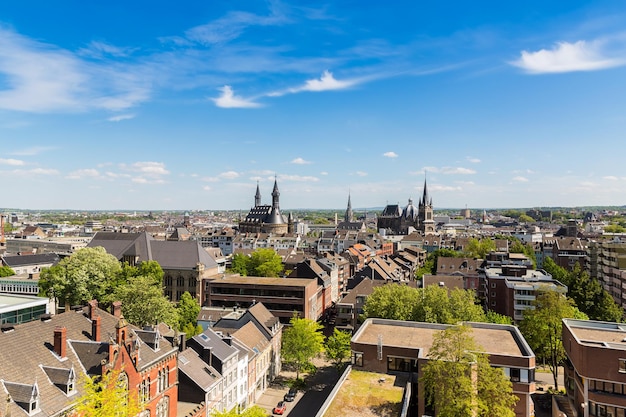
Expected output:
(93, 305)
(182, 342)
(60, 341)
(95, 328)
(116, 308)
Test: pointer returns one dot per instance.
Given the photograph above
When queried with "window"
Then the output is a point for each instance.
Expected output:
(622, 365)
(357, 359)
(493, 285)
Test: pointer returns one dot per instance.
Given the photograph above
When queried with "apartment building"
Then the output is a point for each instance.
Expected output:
(606, 262)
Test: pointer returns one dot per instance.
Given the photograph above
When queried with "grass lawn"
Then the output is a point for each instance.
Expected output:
(366, 394)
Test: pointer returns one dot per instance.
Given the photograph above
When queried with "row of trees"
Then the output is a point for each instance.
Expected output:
(92, 273)
(432, 304)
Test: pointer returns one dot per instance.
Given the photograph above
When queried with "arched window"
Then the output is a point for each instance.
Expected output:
(163, 407)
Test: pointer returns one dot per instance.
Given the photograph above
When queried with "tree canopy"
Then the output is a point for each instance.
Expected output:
(89, 273)
(302, 341)
(188, 310)
(6, 271)
(459, 380)
(263, 262)
(107, 396)
(143, 302)
(254, 411)
(542, 327)
(588, 294)
(432, 304)
(479, 248)
(337, 347)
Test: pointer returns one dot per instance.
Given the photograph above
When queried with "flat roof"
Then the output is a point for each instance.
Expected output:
(9, 302)
(597, 333)
(494, 339)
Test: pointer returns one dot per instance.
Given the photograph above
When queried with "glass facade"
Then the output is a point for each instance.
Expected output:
(22, 315)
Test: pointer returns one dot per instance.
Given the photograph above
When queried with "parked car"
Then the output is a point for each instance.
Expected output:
(291, 395)
(280, 408)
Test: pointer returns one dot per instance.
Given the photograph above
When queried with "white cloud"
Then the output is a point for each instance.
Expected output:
(443, 188)
(300, 161)
(361, 173)
(229, 175)
(519, 179)
(567, 57)
(82, 173)
(473, 160)
(39, 77)
(298, 178)
(206, 188)
(610, 178)
(457, 170)
(34, 171)
(121, 117)
(150, 168)
(323, 173)
(325, 83)
(228, 100)
(97, 49)
(12, 162)
(33, 150)
(390, 154)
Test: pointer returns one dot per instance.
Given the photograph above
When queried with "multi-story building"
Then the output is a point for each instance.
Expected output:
(510, 289)
(401, 347)
(595, 371)
(606, 262)
(281, 296)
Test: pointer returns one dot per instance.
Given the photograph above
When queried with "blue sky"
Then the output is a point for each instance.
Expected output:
(187, 105)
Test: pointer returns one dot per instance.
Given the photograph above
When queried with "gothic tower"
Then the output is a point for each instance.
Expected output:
(426, 217)
(257, 196)
(349, 216)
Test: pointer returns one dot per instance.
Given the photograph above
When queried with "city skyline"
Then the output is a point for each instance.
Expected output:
(144, 106)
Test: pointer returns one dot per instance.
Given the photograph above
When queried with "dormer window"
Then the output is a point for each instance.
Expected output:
(24, 395)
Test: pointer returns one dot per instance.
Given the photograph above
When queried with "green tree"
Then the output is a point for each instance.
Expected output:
(524, 218)
(479, 248)
(254, 411)
(87, 274)
(6, 271)
(337, 347)
(188, 310)
(107, 396)
(302, 341)
(432, 304)
(460, 382)
(265, 262)
(143, 303)
(493, 317)
(518, 247)
(591, 298)
(542, 327)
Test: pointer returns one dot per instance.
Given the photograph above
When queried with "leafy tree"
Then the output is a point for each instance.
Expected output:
(6, 271)
(106, 396)
(263, 262)
(558, 272)
(86, 275)
(493, 317)
(591, 298)
(302, 342)
(479, 248)
(526, 249)
(542, 328)
(143, 303)
(460, 382)
(188, 310)
(337, 347)
(432, 304)
(525, 218)
(254, 411)
(614, 228)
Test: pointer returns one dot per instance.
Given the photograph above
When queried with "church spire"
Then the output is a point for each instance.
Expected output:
(257, 196)
(425, 199)
(275, 195)
(349, 216)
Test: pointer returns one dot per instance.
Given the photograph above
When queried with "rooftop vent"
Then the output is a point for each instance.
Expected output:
(45, 317)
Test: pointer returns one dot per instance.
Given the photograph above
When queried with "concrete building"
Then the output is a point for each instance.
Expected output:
(606, 262)
(16, 309)
(595, 371)
(401, 347)
(281, 296)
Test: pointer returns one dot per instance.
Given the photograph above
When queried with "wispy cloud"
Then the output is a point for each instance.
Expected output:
(32, 151)
(34, 172)
(567, 57)
(229, 100)
(327, 82)
(361, 173)
(443, 188)
(98, 49)
(229, 175)
(83, 173)
(473, 160)
(12, 162)
(40, 77)
(519, 179)
(390, 155)
(457, 170)
(121, 117)
(148, 172)
(300, 161)
(298, 178)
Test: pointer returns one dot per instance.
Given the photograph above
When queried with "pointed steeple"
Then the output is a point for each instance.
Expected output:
(275, 195)
(349, 216)
(425, 200)
(257, 196)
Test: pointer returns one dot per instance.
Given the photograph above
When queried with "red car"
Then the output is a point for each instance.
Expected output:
(280, 408)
